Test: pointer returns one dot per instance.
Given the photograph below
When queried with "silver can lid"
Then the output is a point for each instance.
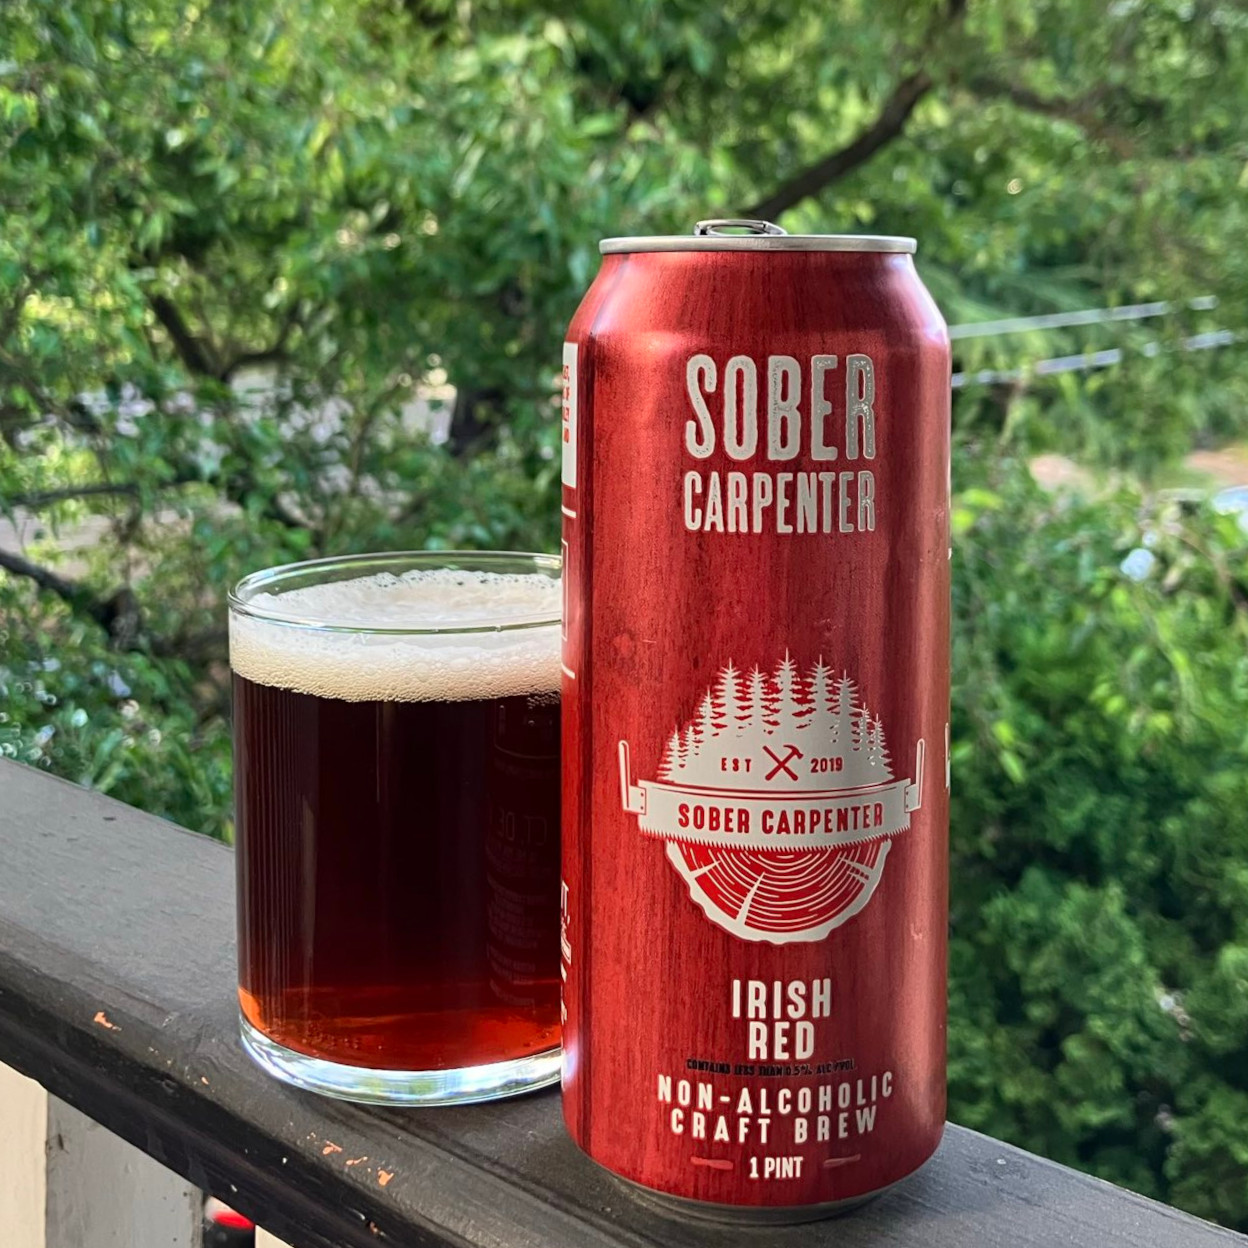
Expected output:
(746, 234)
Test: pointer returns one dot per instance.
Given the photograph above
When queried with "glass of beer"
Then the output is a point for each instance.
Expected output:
(396, 739)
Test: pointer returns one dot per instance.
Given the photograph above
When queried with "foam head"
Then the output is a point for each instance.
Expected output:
(316, 640)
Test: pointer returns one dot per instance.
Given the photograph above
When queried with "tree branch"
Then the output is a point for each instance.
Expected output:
(474, 418)
(236, 488)
(889, 123)
(190, 349)
(1069, 109)
(14, 312)
(27, 379)
(1080, 110)
(277, 351)
(194, 647)
(70, 591)
(269, 356)
(887, 126)
(44, 498)
(118, 615)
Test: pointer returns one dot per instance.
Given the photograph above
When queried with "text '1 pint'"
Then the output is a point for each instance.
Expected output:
(756, 718)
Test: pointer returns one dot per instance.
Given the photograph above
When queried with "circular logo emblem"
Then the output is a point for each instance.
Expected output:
(777, 801)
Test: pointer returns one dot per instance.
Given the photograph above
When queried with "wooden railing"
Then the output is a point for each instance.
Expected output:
(117, 1003)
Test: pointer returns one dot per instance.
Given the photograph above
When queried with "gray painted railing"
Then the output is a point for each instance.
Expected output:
(117, 996)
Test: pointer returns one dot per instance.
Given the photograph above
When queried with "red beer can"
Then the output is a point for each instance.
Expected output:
(755, 719)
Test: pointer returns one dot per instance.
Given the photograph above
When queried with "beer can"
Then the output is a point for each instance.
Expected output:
(755, 719)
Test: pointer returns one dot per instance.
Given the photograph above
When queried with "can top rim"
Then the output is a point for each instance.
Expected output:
(887, 243)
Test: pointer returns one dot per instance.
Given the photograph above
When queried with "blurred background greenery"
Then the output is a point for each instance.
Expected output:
(291, 279)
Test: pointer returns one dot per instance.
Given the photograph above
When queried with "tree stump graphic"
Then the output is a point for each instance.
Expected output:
(777, 801)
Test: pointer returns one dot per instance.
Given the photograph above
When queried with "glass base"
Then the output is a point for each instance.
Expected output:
(401, 1087)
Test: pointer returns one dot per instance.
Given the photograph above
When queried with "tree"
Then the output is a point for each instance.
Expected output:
(760, 713)
(787, 683)
(877, 752)
(844, 704)
(821, 689)
(1098, 996)
(707, 726)
(673, 756)
(247, 254)
(692, 745)
(728, 694)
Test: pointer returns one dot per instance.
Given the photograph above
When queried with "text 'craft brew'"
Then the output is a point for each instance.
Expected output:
(397, 747)
(755, 664)
(777, 802)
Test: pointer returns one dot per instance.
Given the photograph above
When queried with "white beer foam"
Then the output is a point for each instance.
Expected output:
(446, 666)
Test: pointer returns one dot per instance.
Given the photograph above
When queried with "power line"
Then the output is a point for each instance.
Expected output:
(1089, 316)
(1087, 361)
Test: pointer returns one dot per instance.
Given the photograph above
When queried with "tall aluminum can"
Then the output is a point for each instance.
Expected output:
(755, 719)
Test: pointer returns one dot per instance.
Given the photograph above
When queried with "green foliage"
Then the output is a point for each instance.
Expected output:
(1100, 894)
(248, 251)
(119, 722)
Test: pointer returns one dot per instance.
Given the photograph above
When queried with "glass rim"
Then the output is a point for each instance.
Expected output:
(239, 597)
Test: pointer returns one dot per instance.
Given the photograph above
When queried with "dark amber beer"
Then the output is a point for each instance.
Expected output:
(756, 705)
(397, 781)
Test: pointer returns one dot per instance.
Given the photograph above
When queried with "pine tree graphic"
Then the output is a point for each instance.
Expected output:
(757, 710)
(877, 752)
(755, 716)
(861, 729)
(708, 728)
(821, 689)
(732, 710)
(673, 757)
(843, 712)
(789, 695)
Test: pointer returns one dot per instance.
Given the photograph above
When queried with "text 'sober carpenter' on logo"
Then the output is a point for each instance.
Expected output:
(777, 802)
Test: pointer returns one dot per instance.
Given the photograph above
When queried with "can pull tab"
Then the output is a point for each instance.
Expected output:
(735, 226)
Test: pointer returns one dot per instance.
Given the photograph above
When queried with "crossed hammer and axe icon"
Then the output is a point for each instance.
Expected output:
(782, 764)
